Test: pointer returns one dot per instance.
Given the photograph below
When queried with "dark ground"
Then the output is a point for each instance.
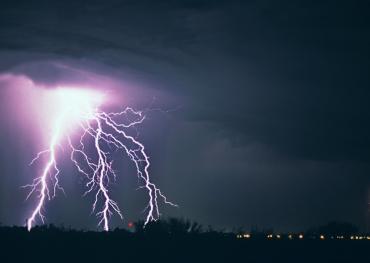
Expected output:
(55, 245)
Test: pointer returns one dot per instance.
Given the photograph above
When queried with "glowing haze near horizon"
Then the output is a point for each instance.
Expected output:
(77, 123)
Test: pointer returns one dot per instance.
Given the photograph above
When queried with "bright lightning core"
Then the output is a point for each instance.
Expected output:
(78, 108)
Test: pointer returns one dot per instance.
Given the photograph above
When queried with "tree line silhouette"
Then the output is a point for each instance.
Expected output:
(175, 240)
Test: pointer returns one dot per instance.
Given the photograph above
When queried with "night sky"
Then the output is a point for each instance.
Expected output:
(264, 105)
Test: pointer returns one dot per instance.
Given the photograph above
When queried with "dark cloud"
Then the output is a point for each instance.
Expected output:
(254, 79)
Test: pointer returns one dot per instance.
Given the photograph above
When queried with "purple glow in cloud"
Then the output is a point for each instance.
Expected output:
(75, 119)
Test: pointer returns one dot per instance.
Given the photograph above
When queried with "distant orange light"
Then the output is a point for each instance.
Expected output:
(130, 224)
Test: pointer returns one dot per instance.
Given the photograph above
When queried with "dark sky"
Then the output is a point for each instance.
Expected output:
(271, 98)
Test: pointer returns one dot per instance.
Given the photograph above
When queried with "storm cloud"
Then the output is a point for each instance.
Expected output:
(271, 114)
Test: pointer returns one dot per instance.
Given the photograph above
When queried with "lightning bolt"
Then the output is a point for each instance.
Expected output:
(107, 134)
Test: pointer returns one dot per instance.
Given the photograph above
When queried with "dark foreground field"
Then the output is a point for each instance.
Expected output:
(52, 245)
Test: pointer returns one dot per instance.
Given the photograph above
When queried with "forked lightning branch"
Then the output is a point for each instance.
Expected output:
(98, 130)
